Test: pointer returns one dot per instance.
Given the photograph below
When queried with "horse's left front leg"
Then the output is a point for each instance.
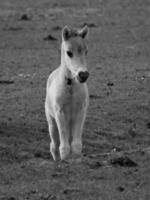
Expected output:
(77, 127)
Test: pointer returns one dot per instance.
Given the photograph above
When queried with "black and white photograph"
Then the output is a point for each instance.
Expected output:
(74, 100)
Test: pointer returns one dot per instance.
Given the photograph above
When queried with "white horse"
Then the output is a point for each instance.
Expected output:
(67, 96)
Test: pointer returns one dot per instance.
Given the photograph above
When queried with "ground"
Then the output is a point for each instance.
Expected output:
(116, 136)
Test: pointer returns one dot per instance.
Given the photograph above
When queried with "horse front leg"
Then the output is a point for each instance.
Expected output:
(64, 133)
(77, 128)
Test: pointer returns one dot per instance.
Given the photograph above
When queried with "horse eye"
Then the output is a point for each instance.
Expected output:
(86, 51)
(80, 50)
(70, 54)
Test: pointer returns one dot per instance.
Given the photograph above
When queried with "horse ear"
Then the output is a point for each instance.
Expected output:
(66, 33)
(84, 31)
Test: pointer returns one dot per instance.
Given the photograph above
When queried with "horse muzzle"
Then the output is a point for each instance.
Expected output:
(83, 76)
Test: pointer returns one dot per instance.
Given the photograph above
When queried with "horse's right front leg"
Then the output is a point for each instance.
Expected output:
(63, 127)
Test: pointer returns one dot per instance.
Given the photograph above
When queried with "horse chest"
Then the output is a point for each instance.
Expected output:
(71, 100)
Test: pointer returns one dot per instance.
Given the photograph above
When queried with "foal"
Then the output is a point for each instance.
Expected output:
(67, 96)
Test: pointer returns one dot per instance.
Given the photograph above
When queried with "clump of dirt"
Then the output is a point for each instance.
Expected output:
(50, 37)
(26, 17)
(123, 161)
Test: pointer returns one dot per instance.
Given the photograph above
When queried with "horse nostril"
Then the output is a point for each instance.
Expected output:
(83, 76)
